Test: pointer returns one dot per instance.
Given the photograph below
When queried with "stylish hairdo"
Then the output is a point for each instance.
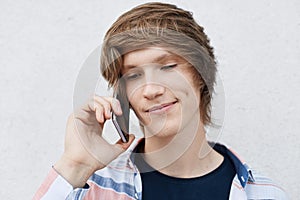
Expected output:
(163, 25)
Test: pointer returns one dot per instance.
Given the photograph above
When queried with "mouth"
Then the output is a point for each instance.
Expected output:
(161, 108)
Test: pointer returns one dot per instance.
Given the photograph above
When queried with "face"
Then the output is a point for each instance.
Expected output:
(161, 91)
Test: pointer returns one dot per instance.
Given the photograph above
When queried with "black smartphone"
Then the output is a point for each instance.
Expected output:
(122, 122)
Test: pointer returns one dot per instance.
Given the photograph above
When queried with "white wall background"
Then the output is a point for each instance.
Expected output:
(44, 43)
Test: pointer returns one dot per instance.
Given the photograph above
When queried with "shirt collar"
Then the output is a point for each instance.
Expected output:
(242, 170)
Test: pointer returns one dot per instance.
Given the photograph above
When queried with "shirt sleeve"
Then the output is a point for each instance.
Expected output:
(56, 187)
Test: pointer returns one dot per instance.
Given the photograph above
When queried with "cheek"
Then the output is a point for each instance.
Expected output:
(193, 86)
(133, 96)
(132, 102)
(135, 102)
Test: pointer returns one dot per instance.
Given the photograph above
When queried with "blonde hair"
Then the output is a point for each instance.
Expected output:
(164, 25)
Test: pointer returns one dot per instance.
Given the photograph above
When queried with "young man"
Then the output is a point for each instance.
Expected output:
(160, 62)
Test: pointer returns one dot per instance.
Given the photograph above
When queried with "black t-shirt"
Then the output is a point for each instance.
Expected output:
(212, 186)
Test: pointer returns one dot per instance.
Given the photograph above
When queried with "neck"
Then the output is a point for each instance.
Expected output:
(186, 154)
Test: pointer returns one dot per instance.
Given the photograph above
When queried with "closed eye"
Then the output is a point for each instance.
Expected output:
(168, 67)
(132, 76)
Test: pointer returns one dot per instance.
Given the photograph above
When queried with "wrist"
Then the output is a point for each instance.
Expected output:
(73, 172)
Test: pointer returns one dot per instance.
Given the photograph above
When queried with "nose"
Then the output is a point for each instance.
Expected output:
(153, 90)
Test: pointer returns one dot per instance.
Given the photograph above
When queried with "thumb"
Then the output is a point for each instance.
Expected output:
(125, 145)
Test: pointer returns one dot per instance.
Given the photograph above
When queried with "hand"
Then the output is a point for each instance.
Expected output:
(85, 149)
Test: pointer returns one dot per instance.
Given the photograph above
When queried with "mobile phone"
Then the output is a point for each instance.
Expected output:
(123, 135)
(121, 123)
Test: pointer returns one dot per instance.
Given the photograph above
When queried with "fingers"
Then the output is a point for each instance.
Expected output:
(99, 114)
(110, 104)
(101, 107)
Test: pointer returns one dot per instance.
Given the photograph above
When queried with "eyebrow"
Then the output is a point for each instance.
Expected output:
(163, 57)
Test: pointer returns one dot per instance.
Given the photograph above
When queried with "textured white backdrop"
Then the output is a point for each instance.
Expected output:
(44, 43)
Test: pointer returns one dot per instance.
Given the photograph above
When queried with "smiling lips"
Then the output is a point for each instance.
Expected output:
(161, 108)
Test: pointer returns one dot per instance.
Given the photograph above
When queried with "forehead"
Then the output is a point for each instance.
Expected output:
(149, 55)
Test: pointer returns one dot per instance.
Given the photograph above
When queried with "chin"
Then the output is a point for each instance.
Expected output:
(166, 130)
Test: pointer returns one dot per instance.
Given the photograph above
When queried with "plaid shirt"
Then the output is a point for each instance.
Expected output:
(122, 180)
